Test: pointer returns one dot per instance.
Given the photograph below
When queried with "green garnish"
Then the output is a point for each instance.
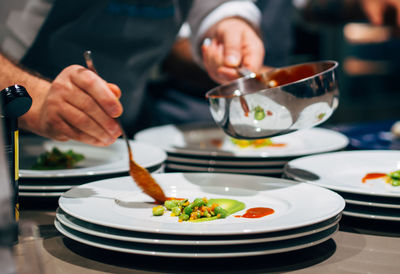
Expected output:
(321, 115)
(57, 159)
(259, 113)
(394, 178)
(200, 209)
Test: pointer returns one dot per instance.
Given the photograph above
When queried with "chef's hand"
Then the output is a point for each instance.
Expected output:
(77, 105)
(375, 10)
(231, 43)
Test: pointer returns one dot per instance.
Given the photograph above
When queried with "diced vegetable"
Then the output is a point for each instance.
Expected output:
(200, 209)
(158, 210)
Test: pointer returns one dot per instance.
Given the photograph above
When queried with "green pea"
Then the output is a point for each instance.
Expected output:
(181, 202)
(177, 210)
(259, 115)
(169, 204)
(222, 212)
(198, 202)
(395, 174)
(184, 217)
(158, 210)
(188, 210)
(395, 182)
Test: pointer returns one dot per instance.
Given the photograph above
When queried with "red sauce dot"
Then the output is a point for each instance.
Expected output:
(256, 212)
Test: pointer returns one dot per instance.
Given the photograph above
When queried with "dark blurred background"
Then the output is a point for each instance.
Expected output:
(369, 57)
(296, 31)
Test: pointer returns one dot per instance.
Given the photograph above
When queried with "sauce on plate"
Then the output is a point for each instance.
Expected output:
(256, 212)
(373, 175)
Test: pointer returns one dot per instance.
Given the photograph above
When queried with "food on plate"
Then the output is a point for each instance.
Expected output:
(158, 210)
(321, 116)
(256, 212)
(57, 159)
(256, 143)
(392, 178)
(200, 210)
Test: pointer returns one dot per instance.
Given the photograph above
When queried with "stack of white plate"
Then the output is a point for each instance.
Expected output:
(344, 171)
(99, 163)
(115, 214)
(206, 148)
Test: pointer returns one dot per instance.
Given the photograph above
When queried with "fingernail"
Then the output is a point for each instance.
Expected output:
(115, 131)
(108, 141)
(115, 111)
(207, 42)
(232, 60)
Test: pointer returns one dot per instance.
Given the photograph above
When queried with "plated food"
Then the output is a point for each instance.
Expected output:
(378, 197)
(57, 159)
(256, 143)
(114, 214)
(201, 140)
(392, 178)
(200, 210)
(93, 161)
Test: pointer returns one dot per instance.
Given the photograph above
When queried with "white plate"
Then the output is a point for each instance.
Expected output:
(200, 140)
(374, 204)
(98, 160)
(39, 194)
(118, 203)
(28, 188)
(343, 171)
(225, 163)
(365, 214)
(53, 185)
(255, 171)
(155, 238)
(197, 251)
(370, 216)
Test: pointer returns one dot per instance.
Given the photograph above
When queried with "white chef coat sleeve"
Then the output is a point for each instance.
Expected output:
(200, 23)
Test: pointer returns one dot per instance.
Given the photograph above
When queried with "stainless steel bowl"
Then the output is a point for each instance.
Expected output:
(276, 102)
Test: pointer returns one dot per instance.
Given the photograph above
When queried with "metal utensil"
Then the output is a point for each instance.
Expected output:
(298, 174)
(139, 174)
(278, 101)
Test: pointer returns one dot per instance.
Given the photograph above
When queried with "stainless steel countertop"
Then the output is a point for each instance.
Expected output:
(361, 246)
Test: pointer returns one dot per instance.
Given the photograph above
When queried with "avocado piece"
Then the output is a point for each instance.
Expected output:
(230, 205)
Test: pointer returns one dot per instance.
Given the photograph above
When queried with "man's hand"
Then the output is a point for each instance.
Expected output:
(375, 10)
(233, 43)
(77, 105)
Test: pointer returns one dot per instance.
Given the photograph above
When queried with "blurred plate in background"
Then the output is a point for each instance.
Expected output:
(372, 135)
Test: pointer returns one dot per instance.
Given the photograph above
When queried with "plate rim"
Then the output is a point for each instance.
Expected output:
(62, 217)
(344, 189)
(340, 204)
(370, 216)
(196, 255)
(171, 149)
(88, 171)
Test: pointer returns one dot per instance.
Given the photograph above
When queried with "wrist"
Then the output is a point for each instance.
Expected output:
(31, 120)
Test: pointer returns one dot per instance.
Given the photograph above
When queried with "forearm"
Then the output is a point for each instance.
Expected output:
(11, 74)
